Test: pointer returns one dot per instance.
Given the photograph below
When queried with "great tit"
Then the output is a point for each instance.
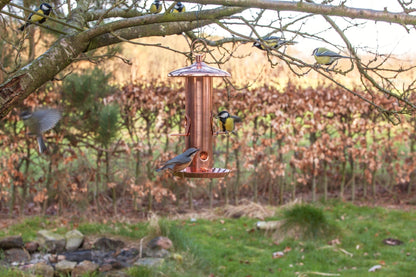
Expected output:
(227, 121)
(181, 161)
(179, 8)
(44, 8)
(40, 121)
(156, 7)
(326, 57)
(272, 42)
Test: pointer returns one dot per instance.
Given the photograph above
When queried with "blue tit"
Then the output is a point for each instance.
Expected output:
(272, 42)
(181, 161)
(326, 57)
(227, 121)
(40, 121)
(179, 8)
(44, 8)
(156, 7)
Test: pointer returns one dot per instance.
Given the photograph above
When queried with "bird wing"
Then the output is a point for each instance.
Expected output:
(178, 159)
(236, 118)
(329, 53)
(47, 118)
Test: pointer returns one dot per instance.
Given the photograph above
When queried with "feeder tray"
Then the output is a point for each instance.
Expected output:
(209, 173)
(199, 131)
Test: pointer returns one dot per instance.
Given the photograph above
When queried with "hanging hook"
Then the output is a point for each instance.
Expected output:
(199, 57)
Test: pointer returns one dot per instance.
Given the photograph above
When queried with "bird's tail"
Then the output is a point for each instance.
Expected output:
(42, 145)
(160, 169)
(21, 28)
(236, 118)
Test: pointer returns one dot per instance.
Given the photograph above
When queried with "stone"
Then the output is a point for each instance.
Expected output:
(11, 242)
(16, 255)
(116, 273)
(65, 267)
(53, 243)
(160, 243)
(80, 255)
(74, 239)
(43, 269)
(149, 262)
(156, 253)
(106, 244)
(31, 246)
(105, 268)
(85, 268)
(128, 256)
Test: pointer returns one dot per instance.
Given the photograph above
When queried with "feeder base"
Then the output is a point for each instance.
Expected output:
(203, 173)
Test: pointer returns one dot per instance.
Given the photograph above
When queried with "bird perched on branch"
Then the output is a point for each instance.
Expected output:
(181, 161)
(272, 42)
(156, 7)
(179, 8)
(227, 121)
(44, 8)
(324, 56)
(39, 122)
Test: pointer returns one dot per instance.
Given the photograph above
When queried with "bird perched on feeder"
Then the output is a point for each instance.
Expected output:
(324, 56)
(227, 121)
(44, 8)
(179, 8)
(39, 122)
(181, 161)
(272, 42)
(156, 7)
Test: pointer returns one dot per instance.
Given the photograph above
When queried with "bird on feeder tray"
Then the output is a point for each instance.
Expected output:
(179, 8)
(227, 121)
(272, 43)
(156, 7)
(181, 161)
(44, 8)
(324, 56)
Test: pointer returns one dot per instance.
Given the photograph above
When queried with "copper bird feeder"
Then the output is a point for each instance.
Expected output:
(199, 130)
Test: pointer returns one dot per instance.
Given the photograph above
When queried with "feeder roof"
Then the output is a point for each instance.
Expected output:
(199, 69)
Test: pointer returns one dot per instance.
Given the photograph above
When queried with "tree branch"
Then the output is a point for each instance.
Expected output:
(67, 49)
(367, 14)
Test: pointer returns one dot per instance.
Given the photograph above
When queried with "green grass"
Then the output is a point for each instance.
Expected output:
(233, 247)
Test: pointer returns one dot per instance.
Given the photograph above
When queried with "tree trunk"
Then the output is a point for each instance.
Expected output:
(226, 179)
(237, 180)
(313, 181)
(352, 163)
(344, 179)
(97, 182)
(211, 193)
(325, 180)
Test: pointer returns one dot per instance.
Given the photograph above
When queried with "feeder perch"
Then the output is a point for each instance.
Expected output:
(199, 130)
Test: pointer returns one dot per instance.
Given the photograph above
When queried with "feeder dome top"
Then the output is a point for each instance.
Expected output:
(199, 69)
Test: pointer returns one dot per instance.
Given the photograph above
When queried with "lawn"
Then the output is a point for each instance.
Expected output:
(221, 246)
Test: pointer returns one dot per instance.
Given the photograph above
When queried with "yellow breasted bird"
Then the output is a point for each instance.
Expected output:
(44, 8)
(227, 121)
(181, 161)
(179, 8)
(156, 7)
(272, 42)
(326, 57)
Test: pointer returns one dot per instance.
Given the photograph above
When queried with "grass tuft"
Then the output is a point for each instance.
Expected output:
(307, 221)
